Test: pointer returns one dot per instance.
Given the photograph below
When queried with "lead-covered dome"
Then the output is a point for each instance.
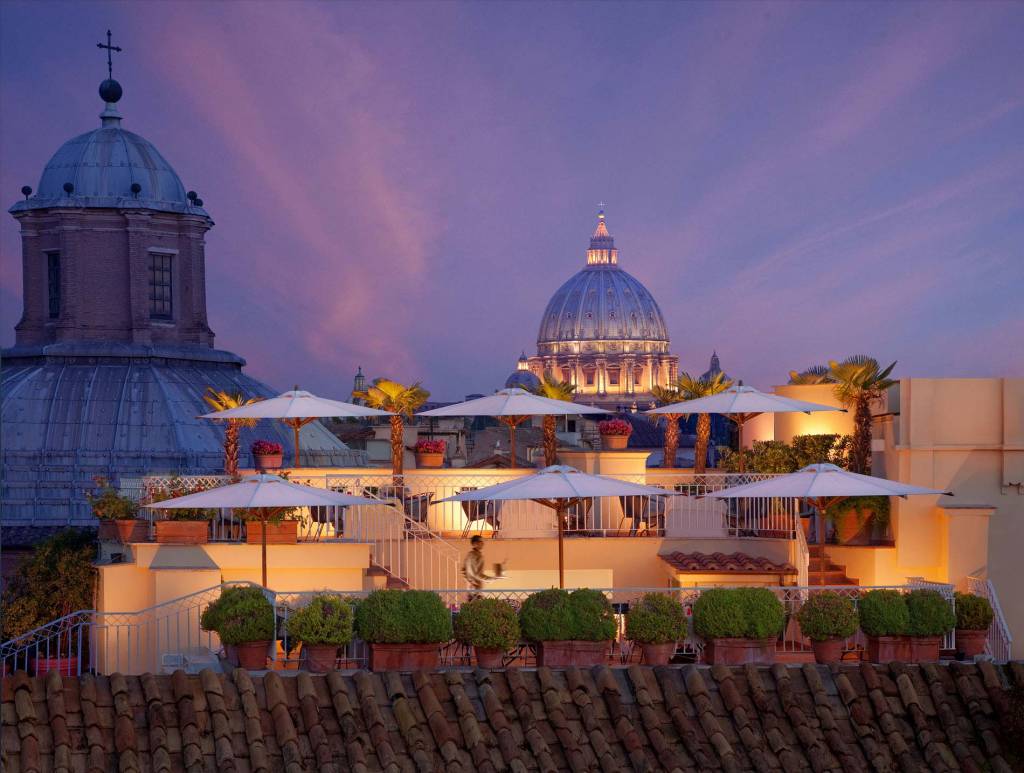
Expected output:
(602, 303)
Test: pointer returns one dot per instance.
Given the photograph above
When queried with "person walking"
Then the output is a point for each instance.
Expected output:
(473, 565)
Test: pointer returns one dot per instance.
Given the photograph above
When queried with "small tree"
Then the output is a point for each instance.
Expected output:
(222, 400)
(668, 396)
(403, 401)
(691, 388)
(553, 389)
(860, 383)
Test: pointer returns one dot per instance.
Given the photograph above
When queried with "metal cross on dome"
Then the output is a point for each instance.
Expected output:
(110, 48)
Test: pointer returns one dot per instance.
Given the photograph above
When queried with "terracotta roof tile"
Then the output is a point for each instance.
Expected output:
(721, 563)
(733, 719)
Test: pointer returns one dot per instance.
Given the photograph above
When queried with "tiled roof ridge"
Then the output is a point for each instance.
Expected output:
(859, 717)
(719, 562)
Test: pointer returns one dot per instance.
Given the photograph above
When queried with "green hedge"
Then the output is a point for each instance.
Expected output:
(973, 613)
(403, 617)
(930, 614)
(738, 613)
(827, 615)
(240, 615)
(656, 619)
(883, 613)
(326, 619)
(558, 615)
(487, 623)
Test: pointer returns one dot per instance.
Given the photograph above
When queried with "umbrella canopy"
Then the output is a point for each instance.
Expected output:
(296, 409)
(512, 407)
(558, 487)
(823, 482)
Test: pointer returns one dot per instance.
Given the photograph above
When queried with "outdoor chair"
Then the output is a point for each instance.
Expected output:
(577, 514)
(413, 506)
(650, 510)
(488, 512)
(321, 516)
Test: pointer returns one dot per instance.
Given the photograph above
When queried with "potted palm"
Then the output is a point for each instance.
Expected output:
(222, 400)
(569, 629)
(885, 619)
(404, 629)
(117, 514)
(827, 619)
(243, 618)
(930, 618)
(657, 622)
(614, 434)
(554, 389)
(429, 453)
(973, 617)
(181, 526)
(739, 625)
(403, 401)
(692, 388)
(267, 455)
(490, 626)
(323, 625)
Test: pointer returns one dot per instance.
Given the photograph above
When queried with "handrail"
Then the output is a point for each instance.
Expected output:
(803, 556)
(999, 643)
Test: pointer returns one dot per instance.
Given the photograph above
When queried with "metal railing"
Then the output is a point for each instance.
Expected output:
(802, 557)
(999, 643)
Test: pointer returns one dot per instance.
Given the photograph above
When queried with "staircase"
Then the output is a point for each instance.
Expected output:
(821, 570)
(378, 576)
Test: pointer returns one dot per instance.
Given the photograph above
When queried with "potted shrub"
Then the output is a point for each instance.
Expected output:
(739, 625)
(282, 529)
(855, 519)
(323, 625)
(429, 453)
(614, 434)
(884, 619)
(657, 622)
(117, 514)
(404, 629)
(930, 618)
(243, 618)
(973, 617)
(184, 526)
(827, 619)
(267, 455)
(491, 626)
(569, 629)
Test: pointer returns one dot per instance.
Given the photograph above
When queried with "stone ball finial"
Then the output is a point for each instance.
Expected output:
(69, 188)
(110, 90)
(26, 191)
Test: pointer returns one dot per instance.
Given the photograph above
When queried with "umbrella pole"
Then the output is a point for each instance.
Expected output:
(265, 520)
(560, 515)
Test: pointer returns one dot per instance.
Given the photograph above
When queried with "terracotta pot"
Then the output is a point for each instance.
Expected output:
(429, 459)
(614, 442)
(320, 658)
(925, 649)
(888, 649)
(65, 666)
(252, 655)
(284, 533)
(404, 657)
(555, 654)
(487, 657)
(828, 651)
(971, 642)
(657, 654)
(737, 652)
(268, 462)
(590, 653)
(182, 532)
(231, 655)
(126, 531)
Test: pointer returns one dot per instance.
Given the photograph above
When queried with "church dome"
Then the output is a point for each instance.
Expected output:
(602, 303)
(521, 377)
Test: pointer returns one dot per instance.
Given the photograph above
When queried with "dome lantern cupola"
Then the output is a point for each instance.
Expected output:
(602, 250)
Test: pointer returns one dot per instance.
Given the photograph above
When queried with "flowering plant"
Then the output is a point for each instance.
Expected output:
(109, 504)
(615, 427)
(160, 491)
(430, 446)
(265, 448)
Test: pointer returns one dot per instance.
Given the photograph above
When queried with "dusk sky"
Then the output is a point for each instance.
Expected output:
(403, 186)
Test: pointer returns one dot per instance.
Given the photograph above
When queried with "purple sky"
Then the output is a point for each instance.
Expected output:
(403, 186)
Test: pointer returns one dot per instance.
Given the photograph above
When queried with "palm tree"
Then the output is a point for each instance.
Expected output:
(553, 389)
(690, 388)
(816, 374)
(222, 400)
(859, 383)
(667, 396)
(403, 401)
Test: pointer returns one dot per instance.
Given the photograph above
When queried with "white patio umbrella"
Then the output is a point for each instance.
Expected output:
(268, 495)
(512, 407)
(558, 487)
(824, 485)
(741, 404)
(296, 409)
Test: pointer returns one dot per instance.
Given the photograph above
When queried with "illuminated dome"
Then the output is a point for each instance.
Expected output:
(521, 377)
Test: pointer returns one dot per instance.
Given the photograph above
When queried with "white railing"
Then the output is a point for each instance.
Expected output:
(1000, 641)
(802, 557)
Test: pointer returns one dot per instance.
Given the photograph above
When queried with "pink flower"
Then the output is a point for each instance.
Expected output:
(615, 427)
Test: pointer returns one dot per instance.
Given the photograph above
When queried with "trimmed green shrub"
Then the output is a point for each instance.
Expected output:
(883, 613)
(108, 504)
(326, 619)
(240, 615)
(403, 617)
(593, 618)
(827, 615)
(488, 624)
(764, 612)
(738, 613)
(656, 619)
(973, 613)
(545, 616)
(930, 614)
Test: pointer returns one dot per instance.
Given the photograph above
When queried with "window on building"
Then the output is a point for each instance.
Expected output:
(161, 286)
(53, 283)
(590, 378)
(613, 376)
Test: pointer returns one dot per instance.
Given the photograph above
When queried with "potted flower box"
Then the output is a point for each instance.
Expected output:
(267, 456)
(323, 626)
(885, 619)
(739, 625)
(657, 622)
(117, 515)
(827, 619)
(931, 617)
(490, 626)
(63, 665)
(429, 453)
(404, 628)
(285, 532)
(180, 526)
(243, 618)
(973, 617)
(569, 629)
(614, 434)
